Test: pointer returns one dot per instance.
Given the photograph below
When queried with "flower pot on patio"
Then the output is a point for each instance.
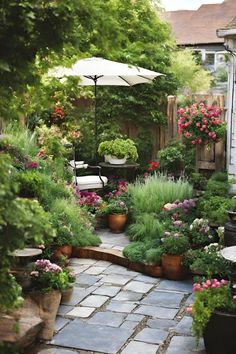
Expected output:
(65, 250)
(48, 304)
(117, 222)
(66, 294)
(113, 160)
(172, 267)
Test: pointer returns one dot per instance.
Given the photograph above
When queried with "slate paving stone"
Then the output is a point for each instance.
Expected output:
(138, 286)
(63, 309)
(150, 335)
(57, 351)
(81, 335)
(129, 324)
(84, 261)
(83, 312)
(128, 296)
(78, 295)
(103, 263)
(94, 301)
(120, 306)
(106, 245)
(115, 269)
(94, 270)
(162, 324)
(185, 345)
(60, 322)
(116, 279)
(134, 317)
(162, 298)
(157, 312)
(107, 290)
(147, 279)
(140, 348)
(184, 326)
(87, 279)
(190, 299)
(79, 268)
(108, 318)
(182, 286)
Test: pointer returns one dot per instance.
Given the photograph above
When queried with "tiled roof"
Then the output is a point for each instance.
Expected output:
(199, 27)
(232, 24)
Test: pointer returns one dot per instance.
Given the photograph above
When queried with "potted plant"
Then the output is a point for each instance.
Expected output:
(214, 316)
(174, 245)
(48, 281)
(117, 151)
(117, 211)
(200, 233)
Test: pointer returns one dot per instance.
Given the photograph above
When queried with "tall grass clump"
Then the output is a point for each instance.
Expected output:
(151, 195)
(146, 226)
(22, 138)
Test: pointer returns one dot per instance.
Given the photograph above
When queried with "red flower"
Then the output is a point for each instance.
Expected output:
(153, 166)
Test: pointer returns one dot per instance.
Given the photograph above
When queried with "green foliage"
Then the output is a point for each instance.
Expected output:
(151, 195)
(217, 188)
(144, 143)
(214, 209)
(153, 255)
(116, 206)
(219, 177)
(10, 295)
(191, 76)
(198, 181)
(135, 251)
(120, 148)
(208, 300)
(171, 158)
(30, 184)
(146, 226)
(175, 245)
(232, 206)
(8, 348)
(71, 226)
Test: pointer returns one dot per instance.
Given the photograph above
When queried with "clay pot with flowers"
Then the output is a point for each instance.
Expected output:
(174, 246)
(214, 315)
(117, 212)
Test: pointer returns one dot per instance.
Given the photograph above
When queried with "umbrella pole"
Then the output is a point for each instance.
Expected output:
(95, 119)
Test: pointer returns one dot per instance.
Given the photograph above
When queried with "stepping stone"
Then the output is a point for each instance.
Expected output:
(184, 326)
(103, 264)
(150, 335)
(147, 279)
(116, 269)
(134, 317)
(109, 318)
(63, 309)
(138, 287)
(56, 351)
(107, 290)
(162, 324)
(118, 306)
(129, 324)
(94, 301)
(77, 269)
(163, 298)
(95, 270)
(87, 279)
(98, 338)
(140, 348)
(185, 286)
(128, 296)
(184, 345)
(158, 312)
(60, 322)
(83, 312)
(116, 279)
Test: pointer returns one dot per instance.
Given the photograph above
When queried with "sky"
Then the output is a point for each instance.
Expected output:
(171, 5)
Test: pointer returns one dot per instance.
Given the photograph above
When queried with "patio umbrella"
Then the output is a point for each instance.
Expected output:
(102, 72)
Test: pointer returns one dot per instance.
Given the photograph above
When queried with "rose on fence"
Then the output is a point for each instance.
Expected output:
(201, 124)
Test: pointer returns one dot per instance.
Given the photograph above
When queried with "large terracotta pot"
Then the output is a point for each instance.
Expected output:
(117, 222)
(65, 250)
(48, 304)
(219, 334)
(172, 267)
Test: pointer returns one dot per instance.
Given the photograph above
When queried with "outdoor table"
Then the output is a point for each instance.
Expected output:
(132, 167)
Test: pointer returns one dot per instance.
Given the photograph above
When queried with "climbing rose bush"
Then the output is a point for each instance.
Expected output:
(201, 124)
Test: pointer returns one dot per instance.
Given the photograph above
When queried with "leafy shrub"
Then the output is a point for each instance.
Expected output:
(146, 226)
(198, 181)
(120, 148)
(30, 183)
(171, 157)
(151, 195)
(175, 245)
(219, 177)
(214, 209)
(217, 188)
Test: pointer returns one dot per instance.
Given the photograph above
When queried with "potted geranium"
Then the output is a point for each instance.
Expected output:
(48, 281)
(117, 151)
(174, 246)
(214, 316)
(201, 124)
(117, 211)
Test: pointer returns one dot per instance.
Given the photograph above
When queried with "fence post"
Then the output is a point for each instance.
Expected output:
(172, 117)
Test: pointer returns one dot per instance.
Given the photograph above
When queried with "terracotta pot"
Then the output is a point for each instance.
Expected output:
(172, 267)
(117, 222)
(48, 304)
(137, 267)
(153, 270)
(219, 334)
(65, 250)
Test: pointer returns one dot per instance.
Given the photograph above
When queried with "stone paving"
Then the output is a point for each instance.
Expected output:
(115, 310)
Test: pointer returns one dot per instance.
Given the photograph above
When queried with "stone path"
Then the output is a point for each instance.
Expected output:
(115, 310)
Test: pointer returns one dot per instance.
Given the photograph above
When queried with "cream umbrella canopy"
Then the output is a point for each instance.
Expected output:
(102, 72)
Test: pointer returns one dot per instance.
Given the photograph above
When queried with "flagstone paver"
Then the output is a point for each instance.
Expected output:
(114, 310)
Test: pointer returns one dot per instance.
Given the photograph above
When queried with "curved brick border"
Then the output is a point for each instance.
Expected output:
(116, 257)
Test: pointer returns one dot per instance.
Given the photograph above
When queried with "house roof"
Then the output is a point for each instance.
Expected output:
(199, 27)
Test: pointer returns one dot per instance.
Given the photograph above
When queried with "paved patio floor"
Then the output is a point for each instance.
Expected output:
(115, 310)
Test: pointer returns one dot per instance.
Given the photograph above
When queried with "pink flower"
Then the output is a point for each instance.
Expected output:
(189, 310)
